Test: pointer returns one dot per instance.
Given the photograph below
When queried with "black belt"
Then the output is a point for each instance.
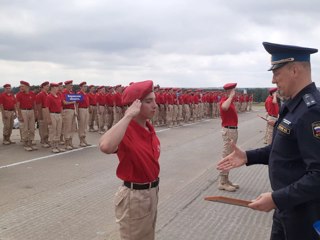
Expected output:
(231, 127)
(83, 107)
(56, 112)
(144, 186)
(26, 108)
(9, 110)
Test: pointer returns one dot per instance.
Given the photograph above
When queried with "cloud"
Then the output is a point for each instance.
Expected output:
(177, 43)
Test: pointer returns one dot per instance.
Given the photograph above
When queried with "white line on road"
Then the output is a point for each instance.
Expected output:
(44, 157)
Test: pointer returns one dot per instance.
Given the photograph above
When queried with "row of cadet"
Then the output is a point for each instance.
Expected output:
(100, 108)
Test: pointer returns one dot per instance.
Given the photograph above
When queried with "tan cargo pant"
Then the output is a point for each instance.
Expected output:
(269, 130)
(102, 117)
(7, 118)
(28, 125)
(55, 127)
(228, 135)
(136, 213)
(43, 127)
(93, 118)
(117, 111)
(68, 123)
(83, 121)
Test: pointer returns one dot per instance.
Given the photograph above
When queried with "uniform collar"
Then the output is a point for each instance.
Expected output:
(293, 103)
(143, 130)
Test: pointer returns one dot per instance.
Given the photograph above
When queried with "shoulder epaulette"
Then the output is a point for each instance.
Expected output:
(309, 100)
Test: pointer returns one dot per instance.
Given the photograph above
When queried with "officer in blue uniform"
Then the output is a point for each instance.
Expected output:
(294, 154)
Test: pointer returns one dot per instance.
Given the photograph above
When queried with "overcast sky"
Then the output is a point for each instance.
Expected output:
(181, 43)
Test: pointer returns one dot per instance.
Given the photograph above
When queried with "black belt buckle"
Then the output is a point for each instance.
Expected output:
(137, 186)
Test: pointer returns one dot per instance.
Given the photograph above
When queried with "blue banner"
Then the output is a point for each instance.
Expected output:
(74, 97)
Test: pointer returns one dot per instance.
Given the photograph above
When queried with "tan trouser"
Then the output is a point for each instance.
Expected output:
(43, 127)
(68, 123)
(269, 130)
(179, 117)
(169, 115)
(101, 117)
(92, 116)
(155, 119)
(228, 135)
(109, 117)
(162, 114)
(175, 114)
(117, 112)
(7, 118)
(187, 115)
(83, 121)
(136, 213)
(28, 125)
(55, 127)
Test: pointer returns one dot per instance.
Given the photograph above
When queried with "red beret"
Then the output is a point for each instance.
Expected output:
(131, 83)
(60, 83)
(100, 87)
(6, 85)
(44, 84)
(272, 90)
(138, 90)
(54, 84)
(90, 86)
(229, 86)
(83, 83)
(24, 83)
(68, 82)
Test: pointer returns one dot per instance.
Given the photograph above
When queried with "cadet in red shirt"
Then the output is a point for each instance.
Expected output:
(138, 150)
(229, 131)
(27, 113)
(54, 117)
(93, 117)
(83, 114)
(8, 109)
(272, 108)
(41, 105)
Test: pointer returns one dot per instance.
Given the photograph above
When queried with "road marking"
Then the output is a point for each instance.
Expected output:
(45, 157)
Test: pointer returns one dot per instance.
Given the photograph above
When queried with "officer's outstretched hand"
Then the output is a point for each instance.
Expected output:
(235, 159)
(134, 109)
(263, 203)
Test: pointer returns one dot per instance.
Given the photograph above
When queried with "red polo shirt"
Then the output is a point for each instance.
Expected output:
(271, 108)
(92, 99)
(101, 99)
(54, 103)
(229, 117)
(117, 99)
(85, 101)
(138, 154)
(41, 98)
(8, 101)
(26, 100)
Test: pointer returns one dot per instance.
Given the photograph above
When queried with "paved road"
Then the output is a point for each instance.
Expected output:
(70, 196)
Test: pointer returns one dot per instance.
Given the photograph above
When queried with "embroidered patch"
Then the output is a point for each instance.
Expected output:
(284, 129)
(316, 129)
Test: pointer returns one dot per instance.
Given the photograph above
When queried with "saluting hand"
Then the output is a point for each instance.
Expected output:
(263, 203)
(235, 159)
(134, 109)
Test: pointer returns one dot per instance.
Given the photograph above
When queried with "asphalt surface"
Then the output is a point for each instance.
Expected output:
(69, 196)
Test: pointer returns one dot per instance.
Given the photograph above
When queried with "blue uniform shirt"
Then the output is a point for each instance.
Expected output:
(294, 155)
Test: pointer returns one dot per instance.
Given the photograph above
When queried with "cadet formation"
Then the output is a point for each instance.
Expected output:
(101, 107)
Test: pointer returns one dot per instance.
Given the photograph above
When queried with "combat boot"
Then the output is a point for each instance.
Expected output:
(27, 147)
(223, 183)
(85, 142)
(54, 145)
(32, 145)
(237, 186)
(67, 145)
(6, 140)
(73, 146)
(82, 143)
